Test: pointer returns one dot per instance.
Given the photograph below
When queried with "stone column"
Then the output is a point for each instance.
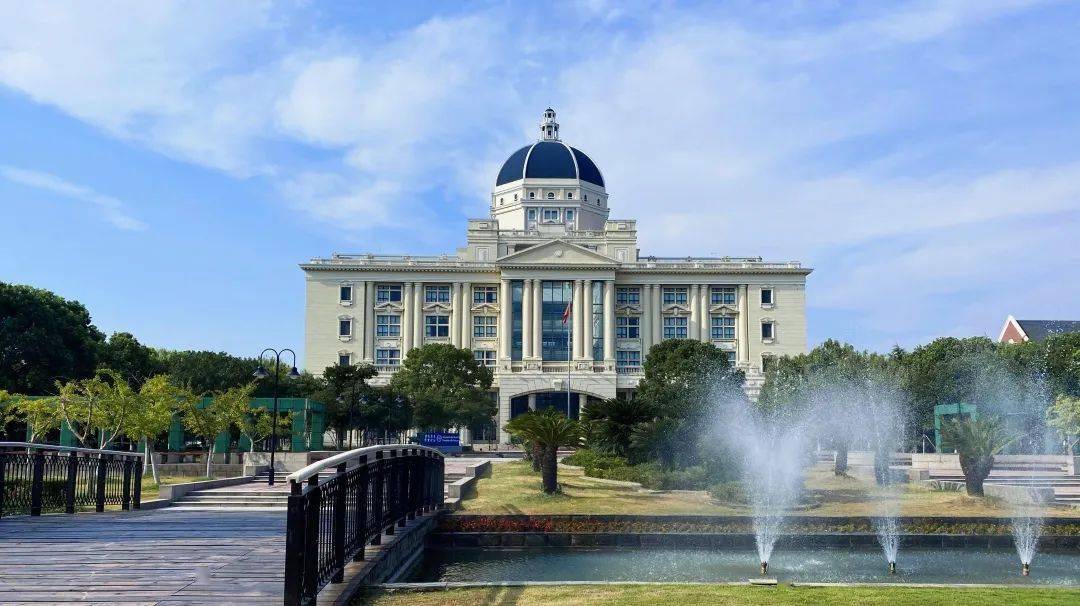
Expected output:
(693, 327)
(466, 315)
(706, 325)
(369, 322)
(576, 314)
(505, 325)
(418, 315)
(455, 314)
(532, 401)
(526, 320)
(658, 313)
(504, 407)
(742, 331)
(609, 321)
(645, 330)
(538, 317)
(406, 318)
(587, 320)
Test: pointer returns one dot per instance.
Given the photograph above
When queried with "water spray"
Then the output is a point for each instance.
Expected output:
(892, 567)
(765, 568)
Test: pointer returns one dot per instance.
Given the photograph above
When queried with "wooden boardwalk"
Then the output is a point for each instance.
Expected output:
(163, 556)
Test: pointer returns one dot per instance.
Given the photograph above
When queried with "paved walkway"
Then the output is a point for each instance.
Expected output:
(164, 556)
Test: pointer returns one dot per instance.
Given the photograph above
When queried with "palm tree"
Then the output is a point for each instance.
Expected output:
(614, 419)
(547, 431)
(516, 427)
(976, 441)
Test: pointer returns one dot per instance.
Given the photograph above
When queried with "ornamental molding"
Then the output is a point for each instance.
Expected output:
(724, 309)
(394, 307)
(446, 307)
(485, 308)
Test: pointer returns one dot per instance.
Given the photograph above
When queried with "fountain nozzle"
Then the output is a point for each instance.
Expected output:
(764, 568)
(892, 567)
(1025, 569)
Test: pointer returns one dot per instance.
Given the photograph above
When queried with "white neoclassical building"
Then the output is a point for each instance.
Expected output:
(549, 243)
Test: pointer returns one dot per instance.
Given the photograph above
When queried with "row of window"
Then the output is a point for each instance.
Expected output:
(629, 295)
(550, 215)
(392, 357)
(721, 328)
(435, 326)
(632, 358)
(550, 196)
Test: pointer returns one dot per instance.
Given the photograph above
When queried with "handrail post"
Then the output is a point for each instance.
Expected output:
(99, 489)
(377, 498)
(361, 509)
(337, 530)
(403, 488)
(37, 481)
(311, 540)
(136, 489)
(414, 456)
(69, 485)
(294, 546)
(125, 499)
(392, 494)
(3, 479)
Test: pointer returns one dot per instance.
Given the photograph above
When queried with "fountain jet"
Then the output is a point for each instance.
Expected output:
(892, 567)
(1025, 569)
(764, 568)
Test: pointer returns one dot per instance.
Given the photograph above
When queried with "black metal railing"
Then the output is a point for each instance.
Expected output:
(362, 494)
(39, 478)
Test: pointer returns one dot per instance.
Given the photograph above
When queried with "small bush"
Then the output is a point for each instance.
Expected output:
(729, 492)
(591, 459)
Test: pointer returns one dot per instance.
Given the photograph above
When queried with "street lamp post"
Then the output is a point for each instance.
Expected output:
(260, 373)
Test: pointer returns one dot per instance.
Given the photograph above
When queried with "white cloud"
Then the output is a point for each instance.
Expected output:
(110, 208)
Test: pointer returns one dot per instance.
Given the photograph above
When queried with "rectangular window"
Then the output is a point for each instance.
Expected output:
(344, 360)
(388, 325)
(437, 293)
(768, 330)
(627, 327)
(730, 358)
(345, 294)
(484, 327)
(531, 214)
(344, 328)
(388, 293)
(675, 295)
(723, 295)
(569, 216)
(387, 357)
(486, 357)
(551, 215)
(766, 296)
(627, 296)
(675, 327)
(722, 328)
(627, 359)
(436, 326)
(485, 294)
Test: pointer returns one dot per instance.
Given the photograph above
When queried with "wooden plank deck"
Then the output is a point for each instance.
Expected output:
(165, 557)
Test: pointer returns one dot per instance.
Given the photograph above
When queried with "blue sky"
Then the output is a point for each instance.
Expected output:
(168, 164)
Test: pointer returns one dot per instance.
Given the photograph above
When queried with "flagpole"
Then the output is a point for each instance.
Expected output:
(569, 335)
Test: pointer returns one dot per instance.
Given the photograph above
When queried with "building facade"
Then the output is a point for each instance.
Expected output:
(547, 245)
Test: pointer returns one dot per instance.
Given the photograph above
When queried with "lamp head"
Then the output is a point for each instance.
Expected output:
(293, 373)
(260, 372)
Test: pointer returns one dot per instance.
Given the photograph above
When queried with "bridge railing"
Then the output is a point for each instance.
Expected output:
(362, 494)
(37, 478)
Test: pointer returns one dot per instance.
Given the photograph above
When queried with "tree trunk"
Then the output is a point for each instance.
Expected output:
(537, 456)
(840, 459)
(209, 455)
(975, 472)
(550, 469)
(153, 465)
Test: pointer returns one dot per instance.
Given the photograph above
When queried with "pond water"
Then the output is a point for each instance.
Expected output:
(679, 565)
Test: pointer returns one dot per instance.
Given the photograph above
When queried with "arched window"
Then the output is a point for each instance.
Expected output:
(515, 197)
(532, 195)
(569, 195)
(551, 195)
(585, 197)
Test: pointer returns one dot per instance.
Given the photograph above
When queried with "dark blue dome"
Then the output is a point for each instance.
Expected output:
(549, 160)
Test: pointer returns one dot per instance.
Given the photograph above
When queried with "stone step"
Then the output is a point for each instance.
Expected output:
(229, 504)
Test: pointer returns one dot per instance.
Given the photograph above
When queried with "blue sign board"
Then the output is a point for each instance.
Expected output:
(444, 441)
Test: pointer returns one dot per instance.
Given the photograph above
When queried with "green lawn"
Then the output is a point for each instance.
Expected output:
(680, 595)
(514, 488)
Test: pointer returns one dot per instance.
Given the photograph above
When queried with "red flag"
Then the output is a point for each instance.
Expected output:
(566, 314)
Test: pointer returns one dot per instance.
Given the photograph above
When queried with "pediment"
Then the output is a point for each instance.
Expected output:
(557, 252)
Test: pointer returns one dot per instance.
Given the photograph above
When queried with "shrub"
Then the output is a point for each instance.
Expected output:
(729, 492)
(591, 459)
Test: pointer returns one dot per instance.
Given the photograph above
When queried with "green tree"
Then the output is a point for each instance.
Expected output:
(43, 338)
(1064, 415)
(681, 378)
(944, 371)
(208, 371)
(346, 386)
(612, 421)
(446, 386)
(550, 430)
(133, 361)
(1063, 363)
(257, 424)
(158, 401)
(383, 410)
(41, 415)
(977, 441)
(222, 412)
(99, 406)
